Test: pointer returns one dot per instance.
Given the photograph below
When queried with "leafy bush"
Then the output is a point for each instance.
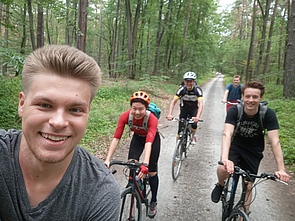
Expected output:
(9, 92)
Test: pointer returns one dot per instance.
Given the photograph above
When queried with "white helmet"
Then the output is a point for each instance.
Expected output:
(189, 76)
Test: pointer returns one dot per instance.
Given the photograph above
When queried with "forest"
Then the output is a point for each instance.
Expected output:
(154, 40)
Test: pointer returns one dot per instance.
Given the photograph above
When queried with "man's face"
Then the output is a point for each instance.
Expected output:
(54, 116)
(252, 98)
(236, 81)
(189, 84)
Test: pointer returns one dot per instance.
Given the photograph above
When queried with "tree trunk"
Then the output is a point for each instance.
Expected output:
(187, 19)
(24, 35)
(160, 31)
(249, 69)
(40, 27)
(114, 44)
(82, 25)
(31, 24)
(266, 63)
(289, 75)
(100, 32)
(132, 31)
(4, 67)
(265, 15)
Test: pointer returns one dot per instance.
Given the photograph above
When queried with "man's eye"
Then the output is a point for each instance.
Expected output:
(45, 105)
(76, 110)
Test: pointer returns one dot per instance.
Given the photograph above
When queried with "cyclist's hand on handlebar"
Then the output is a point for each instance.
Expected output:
(143, 170)
(169, 117)
(228, 166)
(107, 163)
(195, 119)
(282, 175)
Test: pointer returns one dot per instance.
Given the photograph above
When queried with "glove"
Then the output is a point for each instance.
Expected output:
(144, 168)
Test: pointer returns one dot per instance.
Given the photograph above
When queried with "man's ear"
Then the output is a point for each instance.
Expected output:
(21, 103)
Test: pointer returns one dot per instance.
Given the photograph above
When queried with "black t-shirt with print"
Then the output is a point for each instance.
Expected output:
(250, 133)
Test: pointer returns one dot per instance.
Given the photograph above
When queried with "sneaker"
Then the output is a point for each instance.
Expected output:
(194, 141)
(216, 193)
(152, 210)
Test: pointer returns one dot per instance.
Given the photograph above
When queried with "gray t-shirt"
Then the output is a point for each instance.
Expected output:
(88, 190)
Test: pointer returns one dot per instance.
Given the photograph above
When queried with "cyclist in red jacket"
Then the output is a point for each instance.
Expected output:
(145, 139)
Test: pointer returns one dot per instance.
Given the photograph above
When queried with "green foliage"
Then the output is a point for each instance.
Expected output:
(12, 59)
(9, 90)
(284, 109)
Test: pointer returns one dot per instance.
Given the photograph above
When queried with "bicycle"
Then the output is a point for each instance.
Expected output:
(182, 145)
(232, 211)
(136, 192)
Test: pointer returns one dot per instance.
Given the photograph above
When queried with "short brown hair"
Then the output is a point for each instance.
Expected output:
(237, 76)
(64, 61)
(254, 84)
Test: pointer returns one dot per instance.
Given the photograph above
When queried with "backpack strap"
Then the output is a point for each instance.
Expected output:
(144, 123)
(262, 111)
(240, 107)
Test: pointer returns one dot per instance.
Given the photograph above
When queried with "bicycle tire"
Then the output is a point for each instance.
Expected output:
(131, 209)
(238, 215)
(227, 196)
(177, 159)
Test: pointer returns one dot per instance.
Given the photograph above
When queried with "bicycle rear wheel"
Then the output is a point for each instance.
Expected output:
(130, 206)
(238, 215)
(177, 159)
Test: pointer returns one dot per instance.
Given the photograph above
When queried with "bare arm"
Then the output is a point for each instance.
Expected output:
(172, 104)
(111, 151)
(226, 141)
(200, 109)
(273, 137)
(225, 96)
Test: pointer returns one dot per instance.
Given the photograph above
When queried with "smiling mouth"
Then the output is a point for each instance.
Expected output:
(54, 138)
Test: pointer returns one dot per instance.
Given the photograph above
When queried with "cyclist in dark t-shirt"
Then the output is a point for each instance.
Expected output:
(232, 92)
(246, 145)
(191, 102)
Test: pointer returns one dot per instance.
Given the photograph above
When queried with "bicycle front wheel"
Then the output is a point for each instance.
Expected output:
(177, 159)
(238, 215)
(130, 206)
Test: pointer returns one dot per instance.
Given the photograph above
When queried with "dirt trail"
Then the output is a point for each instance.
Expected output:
(189, 197)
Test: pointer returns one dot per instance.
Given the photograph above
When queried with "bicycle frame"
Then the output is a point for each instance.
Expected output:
(132, 189)
(234, 211)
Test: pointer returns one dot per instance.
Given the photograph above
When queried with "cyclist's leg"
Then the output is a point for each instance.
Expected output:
(136, 147)
(250, 161)
(222, 174)
(154, 179)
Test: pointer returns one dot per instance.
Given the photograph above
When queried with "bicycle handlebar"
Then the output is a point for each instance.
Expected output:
(124, 163)
(228, 102)
(189, 120)
(269, 176)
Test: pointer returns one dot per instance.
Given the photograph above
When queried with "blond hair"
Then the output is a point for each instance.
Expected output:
(64, 61)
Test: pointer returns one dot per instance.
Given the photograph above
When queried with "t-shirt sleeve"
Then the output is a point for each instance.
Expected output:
(123, 120)
(228, 87)
(270, 120)
(232, 115)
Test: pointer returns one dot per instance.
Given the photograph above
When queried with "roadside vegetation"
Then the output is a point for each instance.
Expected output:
(113, 98)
